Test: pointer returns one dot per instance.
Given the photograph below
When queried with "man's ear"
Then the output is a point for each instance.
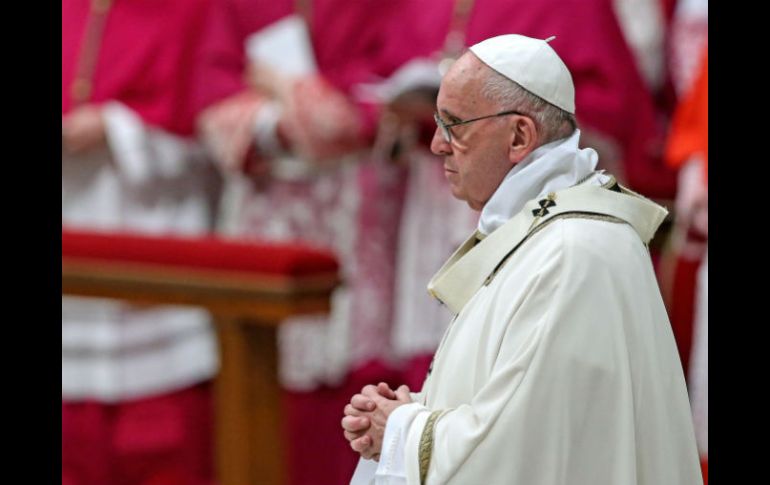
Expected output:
(523, 140)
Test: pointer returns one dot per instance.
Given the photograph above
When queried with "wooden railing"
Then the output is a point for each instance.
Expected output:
(249, 288)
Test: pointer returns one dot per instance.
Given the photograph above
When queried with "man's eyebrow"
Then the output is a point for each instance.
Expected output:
(449, 114)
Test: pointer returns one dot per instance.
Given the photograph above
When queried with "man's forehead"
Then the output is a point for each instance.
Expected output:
(460, 87)
(467, 68)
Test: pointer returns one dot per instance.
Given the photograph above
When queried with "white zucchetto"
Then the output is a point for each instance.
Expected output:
(533, 64)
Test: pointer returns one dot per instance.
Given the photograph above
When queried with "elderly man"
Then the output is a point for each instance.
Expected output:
(560, 365)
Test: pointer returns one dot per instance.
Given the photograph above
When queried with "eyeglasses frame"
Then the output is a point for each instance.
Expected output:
(445, 127)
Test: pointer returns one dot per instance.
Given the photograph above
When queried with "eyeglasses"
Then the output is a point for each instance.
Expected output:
(445, 127)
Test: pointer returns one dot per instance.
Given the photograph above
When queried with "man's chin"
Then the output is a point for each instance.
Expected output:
(474, 205)
(456, 192)
(459, 195)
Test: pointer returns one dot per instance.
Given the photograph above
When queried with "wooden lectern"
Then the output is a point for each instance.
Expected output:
(249, 288)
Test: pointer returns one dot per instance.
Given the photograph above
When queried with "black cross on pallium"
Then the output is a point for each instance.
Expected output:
(544, 205)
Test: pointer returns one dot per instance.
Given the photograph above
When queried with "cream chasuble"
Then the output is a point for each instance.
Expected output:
(560, 367)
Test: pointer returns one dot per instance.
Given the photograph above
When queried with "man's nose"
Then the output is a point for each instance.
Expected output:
(439, 145)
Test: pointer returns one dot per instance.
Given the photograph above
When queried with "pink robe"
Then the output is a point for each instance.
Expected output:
(352, 209)
(156, 429)
(347, 37)
(154, 76)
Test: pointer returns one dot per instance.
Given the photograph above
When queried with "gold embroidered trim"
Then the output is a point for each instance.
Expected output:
(426, 445)
(565, 215)
(576, 215)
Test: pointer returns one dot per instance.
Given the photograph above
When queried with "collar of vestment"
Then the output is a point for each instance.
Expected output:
(549, 168)
(479, 257)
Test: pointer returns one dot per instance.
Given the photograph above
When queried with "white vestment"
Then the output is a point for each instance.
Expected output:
(152, 182)
(560, 366)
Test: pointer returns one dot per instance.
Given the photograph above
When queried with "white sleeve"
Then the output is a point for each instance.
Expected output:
(142, 152)
(392, 467)
(364, 474)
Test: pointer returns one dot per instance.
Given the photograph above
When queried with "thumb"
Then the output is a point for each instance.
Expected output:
(402, 394)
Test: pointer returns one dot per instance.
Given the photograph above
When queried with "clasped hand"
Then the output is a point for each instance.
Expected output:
(366, 416)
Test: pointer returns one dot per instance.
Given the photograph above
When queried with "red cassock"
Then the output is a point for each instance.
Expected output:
(689, 134)
(141, 53)
(688, 138)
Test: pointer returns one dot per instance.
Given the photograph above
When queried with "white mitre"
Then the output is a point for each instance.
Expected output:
(531, 63)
